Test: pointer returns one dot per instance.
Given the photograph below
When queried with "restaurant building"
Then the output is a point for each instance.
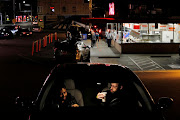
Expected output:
(142, 27)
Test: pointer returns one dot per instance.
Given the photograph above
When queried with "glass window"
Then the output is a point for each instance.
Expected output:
(150, 33)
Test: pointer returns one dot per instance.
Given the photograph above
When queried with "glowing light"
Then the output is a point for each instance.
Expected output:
(111, 8)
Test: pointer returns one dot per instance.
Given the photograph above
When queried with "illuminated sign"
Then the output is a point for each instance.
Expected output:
(111, 8)
(52, 9)
(137, 26)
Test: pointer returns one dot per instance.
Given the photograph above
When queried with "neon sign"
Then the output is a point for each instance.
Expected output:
(111, 8)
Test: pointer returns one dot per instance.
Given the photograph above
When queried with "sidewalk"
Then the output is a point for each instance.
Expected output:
(101, 50)
(136, 62)
(101, 53)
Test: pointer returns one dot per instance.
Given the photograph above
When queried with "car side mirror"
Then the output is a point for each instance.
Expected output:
(165, 103)
(23, 104)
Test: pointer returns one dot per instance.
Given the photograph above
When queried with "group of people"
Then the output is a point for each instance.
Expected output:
(114, 92)
(94, 37)
(108, 34)
(111, 35)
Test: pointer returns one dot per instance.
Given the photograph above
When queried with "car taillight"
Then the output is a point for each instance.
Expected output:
(30, 33)
(24, 32)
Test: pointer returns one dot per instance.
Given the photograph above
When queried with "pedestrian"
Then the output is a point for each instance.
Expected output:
(68, 35)
(93, 38)
(97, 35)
(109, 38)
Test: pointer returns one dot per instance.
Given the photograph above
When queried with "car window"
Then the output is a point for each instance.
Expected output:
(45, 94)
(143, 100)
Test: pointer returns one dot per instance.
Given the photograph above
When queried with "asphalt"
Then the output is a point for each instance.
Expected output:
(101, 53)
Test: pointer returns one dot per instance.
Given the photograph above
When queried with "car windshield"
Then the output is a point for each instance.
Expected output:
(92, 93)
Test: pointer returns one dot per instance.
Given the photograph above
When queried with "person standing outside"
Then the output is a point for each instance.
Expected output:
(93, 38)
(97, 35)
(109, 38)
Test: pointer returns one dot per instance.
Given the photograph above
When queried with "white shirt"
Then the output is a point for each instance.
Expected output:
(109, 36)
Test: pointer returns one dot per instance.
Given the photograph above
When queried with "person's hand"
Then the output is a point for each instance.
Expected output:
(75, 105)
(100, 96)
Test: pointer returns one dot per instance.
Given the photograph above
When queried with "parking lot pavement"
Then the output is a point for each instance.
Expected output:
(143, 62)
(103, 54)
(153, 61)
(136, 62)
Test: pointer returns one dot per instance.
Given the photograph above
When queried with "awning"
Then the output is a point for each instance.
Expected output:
(97, 20)
(116, 20)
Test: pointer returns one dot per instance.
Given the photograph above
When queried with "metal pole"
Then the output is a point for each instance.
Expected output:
(121, 29)
(31, 17)
(1, 19)
(90, 8)
(90, 11)
(173, 32)
(148, 31)
(14, 9)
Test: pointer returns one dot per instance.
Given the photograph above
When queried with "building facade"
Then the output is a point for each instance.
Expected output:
(55, 8)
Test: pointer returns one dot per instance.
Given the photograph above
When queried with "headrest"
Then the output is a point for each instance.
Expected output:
(69, 83)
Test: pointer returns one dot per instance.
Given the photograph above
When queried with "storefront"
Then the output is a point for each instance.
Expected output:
(147, 36)
(145, 32)
(24, 18)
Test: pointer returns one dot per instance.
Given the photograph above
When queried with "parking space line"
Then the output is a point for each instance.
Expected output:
(145, 63)
(156, 64)
(135, 63)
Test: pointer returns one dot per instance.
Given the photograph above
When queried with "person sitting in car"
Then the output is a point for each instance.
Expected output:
(117, 97)
(112, 96)
(66, 99)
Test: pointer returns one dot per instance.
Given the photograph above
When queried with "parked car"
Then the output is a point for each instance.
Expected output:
(5, 33)
(24, 32)
(13, 28)
(71, 51)
(84, 82)
(36, 28)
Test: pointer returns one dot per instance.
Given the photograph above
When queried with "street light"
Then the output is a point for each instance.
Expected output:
(90, 8)
(14, 9)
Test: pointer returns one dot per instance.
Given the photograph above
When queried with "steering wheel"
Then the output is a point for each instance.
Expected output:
(114, 102)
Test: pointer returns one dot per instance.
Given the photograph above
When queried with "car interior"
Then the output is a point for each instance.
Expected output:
(85, 94)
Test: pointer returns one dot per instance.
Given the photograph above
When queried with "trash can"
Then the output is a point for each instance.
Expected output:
(84, 36)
